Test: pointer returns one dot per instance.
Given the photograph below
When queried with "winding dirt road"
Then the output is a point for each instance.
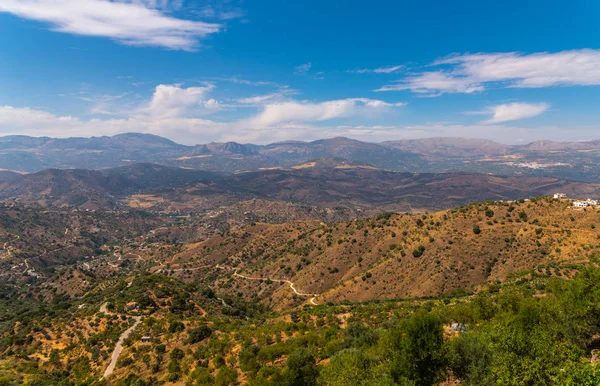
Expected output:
(312, 300)
(119, 346)
(313, 296)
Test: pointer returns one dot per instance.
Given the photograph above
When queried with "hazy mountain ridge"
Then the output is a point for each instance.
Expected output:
(454, 147)
(566, 160)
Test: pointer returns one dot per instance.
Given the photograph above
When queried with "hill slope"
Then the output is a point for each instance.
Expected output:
(396, 256)
(92, 189)
(362, 187)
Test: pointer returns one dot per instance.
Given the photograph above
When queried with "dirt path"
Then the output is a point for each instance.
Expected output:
(312, 300)
(119, 346)
(9, 249)
(313, 296)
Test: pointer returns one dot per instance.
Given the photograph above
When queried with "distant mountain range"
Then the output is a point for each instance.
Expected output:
(565, 160)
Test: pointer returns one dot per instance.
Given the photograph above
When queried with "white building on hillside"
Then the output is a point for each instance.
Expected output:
(581, 204)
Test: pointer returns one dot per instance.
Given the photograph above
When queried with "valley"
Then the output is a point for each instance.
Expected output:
(183, 273)
(299, 193)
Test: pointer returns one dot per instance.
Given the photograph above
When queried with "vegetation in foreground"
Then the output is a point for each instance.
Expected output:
(535, 330)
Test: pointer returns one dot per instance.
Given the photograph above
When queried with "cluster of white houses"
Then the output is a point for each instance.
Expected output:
(585, 204)
(578, 203)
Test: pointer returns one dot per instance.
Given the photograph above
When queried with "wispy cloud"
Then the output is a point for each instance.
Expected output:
(513, 111)
(246, 82)
(161, 4)
(306, 70)
(474, 72)
(435, 83)
(213, 12)
(103, 104)
(379, 70)
(134, 22)
(278, 96)
(303, 69)
(293, 111)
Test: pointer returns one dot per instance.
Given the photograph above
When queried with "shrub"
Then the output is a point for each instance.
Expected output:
(419, 251)
(198, 334)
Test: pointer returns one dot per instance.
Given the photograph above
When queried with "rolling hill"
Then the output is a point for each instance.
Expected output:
(325, 183)
(93, 189)
(395, 256)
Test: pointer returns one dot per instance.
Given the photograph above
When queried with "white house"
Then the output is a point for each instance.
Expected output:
(560, 195)
(581, 204)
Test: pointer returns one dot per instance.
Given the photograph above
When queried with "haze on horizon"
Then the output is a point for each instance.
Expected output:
(204, 71)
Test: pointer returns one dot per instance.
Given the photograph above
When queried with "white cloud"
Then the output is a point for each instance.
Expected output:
(175, 112)
(473, 72)
(140, 23)
(174, 101)
(379, 70)
(515, 111)
(26, 121)
(292, 111)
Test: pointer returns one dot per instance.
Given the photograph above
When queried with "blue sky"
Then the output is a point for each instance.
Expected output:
(262, 71)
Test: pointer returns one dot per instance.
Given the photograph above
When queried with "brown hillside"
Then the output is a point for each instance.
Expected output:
(373, 259)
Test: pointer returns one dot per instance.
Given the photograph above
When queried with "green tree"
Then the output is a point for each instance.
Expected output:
(470, 359)
(353, 367)
(227, 376)
(419, 354)
(301, 369)
(199, 333)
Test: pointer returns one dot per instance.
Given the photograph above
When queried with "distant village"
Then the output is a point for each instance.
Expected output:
(577, 203)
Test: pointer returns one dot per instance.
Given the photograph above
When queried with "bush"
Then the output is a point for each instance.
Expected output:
(198, 334)
(301, 369)
(470, 359)
(419, 251)
(176, 326)
(419, 355)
